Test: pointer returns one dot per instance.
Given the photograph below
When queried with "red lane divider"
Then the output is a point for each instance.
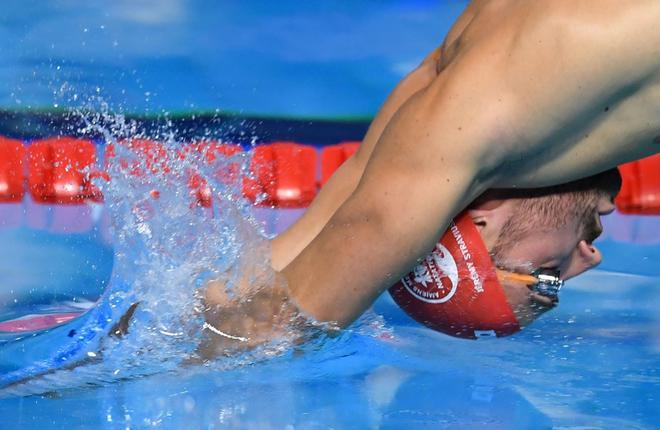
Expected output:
(211, 151)
(153, 156)
(56, 170)
(640, 192)
(284, 174)
(334, 156)
(12, 156)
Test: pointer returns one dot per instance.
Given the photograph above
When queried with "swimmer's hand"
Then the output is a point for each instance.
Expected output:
(245, 318)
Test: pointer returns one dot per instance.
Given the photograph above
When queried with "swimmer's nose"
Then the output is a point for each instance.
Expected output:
(586, 257)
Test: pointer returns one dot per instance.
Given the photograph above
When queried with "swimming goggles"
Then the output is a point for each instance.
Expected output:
(548, 284)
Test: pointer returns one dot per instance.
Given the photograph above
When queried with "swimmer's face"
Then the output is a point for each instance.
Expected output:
(559, 249)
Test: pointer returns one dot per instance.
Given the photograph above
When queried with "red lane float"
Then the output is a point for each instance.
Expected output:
(12, 156)
(211, 151)
(284, 175)
(153, 156)
(640, 192)
(334, 156)
(57, 169)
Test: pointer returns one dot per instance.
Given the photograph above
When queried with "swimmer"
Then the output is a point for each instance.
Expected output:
(511, 224)
(548, 229)
(520, 95)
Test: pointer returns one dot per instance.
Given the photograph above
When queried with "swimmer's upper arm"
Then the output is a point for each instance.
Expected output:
(288, 244)
(416, 80)
(425, 168)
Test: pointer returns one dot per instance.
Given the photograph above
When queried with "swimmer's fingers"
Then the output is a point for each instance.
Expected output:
(246, 322)
(215, 293)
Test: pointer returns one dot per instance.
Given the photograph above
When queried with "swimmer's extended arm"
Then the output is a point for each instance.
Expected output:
(495, 115)
(343, 182)
(424, 169)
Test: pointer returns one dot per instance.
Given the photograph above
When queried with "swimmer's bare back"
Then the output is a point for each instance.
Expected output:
(525, 94)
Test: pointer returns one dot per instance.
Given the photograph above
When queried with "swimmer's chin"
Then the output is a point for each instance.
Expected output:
(526, 304)
(545, 302)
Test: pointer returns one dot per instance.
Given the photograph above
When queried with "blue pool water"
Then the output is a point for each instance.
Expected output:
(286, 58)
(592, 363)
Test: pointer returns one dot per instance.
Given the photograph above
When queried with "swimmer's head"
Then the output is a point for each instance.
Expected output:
(457, 290)
(550, 229)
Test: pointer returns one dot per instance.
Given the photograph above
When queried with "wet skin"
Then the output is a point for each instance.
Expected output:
(525, 94)
(520, 94)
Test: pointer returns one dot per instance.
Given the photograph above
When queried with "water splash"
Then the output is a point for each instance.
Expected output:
(167, 248)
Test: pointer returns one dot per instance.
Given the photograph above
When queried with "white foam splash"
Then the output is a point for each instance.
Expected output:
(167, 248)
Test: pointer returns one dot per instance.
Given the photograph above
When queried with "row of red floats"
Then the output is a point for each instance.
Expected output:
(284, 174)
(56, 170)
(640, 193)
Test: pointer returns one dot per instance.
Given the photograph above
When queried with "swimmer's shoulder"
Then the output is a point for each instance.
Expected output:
(542, 64)
(553, 43)
(616, 37)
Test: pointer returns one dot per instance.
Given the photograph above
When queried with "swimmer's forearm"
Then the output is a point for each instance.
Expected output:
(291, 242)
(363, 250)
